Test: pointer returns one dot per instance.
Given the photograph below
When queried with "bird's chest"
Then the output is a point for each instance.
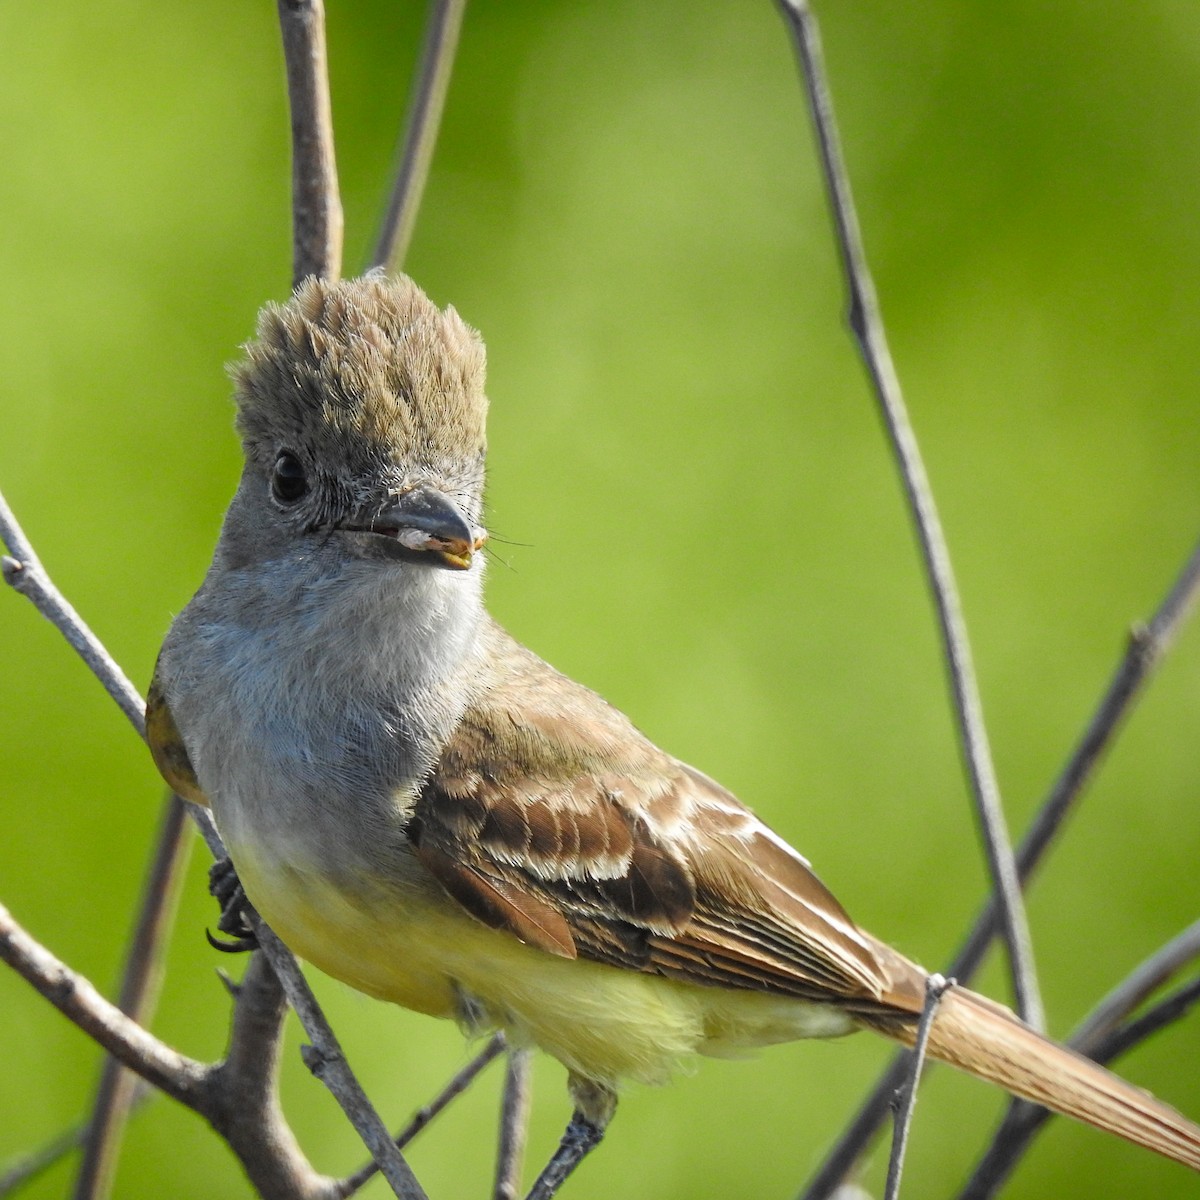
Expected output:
(308, 766)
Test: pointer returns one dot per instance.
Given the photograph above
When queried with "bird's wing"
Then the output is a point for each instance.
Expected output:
(550, 816)
(167, 749)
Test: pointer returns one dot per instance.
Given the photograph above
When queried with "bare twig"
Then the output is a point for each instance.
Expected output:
(1169, 1009)
(1146, 647)
(316, 203)
(935, 989)
(181, 1077)
(868, 329)
(1137, 987)
(1104, 1035)
(421, 131)
(24, 573)
(1147, 644)
(139, 995)
(225, 1094)
(514, 1125)
(455, 1088)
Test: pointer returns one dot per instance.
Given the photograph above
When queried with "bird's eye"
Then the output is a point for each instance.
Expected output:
(288, 481)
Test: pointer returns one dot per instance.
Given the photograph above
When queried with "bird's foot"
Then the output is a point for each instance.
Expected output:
(224, 884)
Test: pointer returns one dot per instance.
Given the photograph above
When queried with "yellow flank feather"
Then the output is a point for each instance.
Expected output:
(403, 939)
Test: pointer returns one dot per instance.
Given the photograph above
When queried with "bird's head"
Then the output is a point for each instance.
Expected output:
(362, 415)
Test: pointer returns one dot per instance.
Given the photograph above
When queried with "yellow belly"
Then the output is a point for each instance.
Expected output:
(404, 940)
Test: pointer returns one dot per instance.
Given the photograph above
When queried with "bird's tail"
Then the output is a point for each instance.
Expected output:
(987, 1040)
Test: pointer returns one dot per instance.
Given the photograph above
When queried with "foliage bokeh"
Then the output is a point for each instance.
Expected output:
(694, 508)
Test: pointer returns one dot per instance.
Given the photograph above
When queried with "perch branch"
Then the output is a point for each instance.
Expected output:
(1146, 646)
(246, 1108)
(316, 203)
(868, 329)
(28, 576)
(180, 1077)
(420, 134)
(220, 1094)
(324, 1058)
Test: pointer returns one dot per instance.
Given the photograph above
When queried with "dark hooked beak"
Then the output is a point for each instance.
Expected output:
(425, 525)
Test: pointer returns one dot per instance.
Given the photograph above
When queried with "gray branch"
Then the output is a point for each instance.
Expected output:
(316, 202)
(868, 329)
(140, 986)
(420, 134)
(1104, 1035)
(935, 988)
(453, 1089)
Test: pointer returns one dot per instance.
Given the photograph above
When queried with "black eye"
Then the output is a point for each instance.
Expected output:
(288, 481)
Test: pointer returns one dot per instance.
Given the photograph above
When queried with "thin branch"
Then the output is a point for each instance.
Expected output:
(868, 329)
(935, 989)
(29, 1166)
(1146, 647)
(1169, 1009)
(181, 1077)
(514, 1124)
(24, 573)
(226, 1095)
(1141, 983)
(423, 1116)
(316, 203)
(1104, 1035)
(139, 995)
(421, 132)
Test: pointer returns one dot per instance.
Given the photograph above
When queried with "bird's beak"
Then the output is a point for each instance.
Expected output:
(430, 526)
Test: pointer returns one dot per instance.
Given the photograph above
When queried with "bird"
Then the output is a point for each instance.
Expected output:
(424, 809)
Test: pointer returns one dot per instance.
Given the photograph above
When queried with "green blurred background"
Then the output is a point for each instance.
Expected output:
(703, 520)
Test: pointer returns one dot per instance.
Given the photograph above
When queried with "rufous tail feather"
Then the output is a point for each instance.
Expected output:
(986, 1040)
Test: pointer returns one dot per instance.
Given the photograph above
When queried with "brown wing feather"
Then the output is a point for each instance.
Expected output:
(548, 815)
(497, 902)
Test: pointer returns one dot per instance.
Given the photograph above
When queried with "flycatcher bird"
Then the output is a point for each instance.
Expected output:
(423, 808)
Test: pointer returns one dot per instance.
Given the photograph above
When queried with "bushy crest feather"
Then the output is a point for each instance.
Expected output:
(373, 358)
